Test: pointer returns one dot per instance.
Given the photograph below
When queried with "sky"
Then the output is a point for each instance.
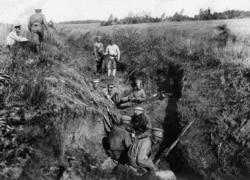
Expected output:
(66, 10)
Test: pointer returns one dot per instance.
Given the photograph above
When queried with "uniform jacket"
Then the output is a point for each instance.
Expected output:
(37, 18)
(119, 139)
(139, 154)
(14, 37)
(113, 50)
(98, 48)
(139, 95)
(142, 125)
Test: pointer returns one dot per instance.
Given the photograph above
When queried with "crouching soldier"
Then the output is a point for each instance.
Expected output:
(141, 124)
(119, 141)
(112, 94)
(139, 155)
(138, 96)
(14, 36)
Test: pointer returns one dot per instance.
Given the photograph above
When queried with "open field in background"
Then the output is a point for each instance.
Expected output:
(192, 34)
(238, 26)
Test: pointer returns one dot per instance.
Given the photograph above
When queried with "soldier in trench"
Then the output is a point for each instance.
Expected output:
(137, 96)
(141, 124)
(139, 155)
(119, 141)
(112, 94)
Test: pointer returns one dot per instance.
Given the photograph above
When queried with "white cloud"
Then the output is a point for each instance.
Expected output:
(64, 10)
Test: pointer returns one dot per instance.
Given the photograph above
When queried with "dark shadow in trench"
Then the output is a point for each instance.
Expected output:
(169, 81)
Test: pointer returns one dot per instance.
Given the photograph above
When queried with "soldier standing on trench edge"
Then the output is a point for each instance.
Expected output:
(113, 53)
(36, 25)
(98, 52)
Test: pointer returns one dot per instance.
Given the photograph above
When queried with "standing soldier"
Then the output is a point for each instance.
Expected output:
(138, 96)
(37, 24)
(113, 53)
(98, 52)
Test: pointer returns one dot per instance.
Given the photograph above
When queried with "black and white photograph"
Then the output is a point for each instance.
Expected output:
(124, 89)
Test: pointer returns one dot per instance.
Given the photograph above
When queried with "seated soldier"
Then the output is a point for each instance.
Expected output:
(119, 141)
(96, 84)
(137, 96)
(112, 93)
(141, 123)
(139, 155)
(14, 36)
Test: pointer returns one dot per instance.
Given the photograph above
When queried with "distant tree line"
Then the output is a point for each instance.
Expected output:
(81, 22)
(132, 18)
(145, 17)
(205, 14)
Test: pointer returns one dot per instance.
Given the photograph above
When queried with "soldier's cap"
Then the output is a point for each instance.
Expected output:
(125, 119)
(17, 24)
(139, 108)
(38, 9)
(96, 81)
(158, 132)
(138, 81)
(98, 37)
(111, 85)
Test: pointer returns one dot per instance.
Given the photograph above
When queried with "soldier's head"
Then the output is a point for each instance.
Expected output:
(95, 83)
(110, 87)
(157, 135)
(125, 120)
(98, 38)
(138, 84)
(112, 41)
(138, 111)
(17, 26)
(38, 10)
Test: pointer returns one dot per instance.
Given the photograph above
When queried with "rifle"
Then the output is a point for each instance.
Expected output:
(167, 150)
(113, 119)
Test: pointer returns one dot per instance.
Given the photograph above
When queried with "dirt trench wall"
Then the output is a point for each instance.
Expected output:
(85, 133)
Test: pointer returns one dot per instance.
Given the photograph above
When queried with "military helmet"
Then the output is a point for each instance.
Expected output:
(138, 81)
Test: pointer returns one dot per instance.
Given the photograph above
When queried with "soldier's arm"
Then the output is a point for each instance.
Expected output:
(107, 51)
(95, 51)
(143, 158)
(127, 140)
(142, 96)
(118, 53)
(29, 24)
(17, 38)
(45, 22)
